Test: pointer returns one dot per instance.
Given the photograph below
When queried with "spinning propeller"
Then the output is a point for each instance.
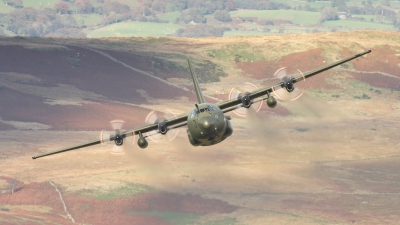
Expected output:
(287, 92)
(163, 132)
(116, 136)
(241, 92)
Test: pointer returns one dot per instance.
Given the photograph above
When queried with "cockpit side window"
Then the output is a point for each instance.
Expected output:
(194, 113)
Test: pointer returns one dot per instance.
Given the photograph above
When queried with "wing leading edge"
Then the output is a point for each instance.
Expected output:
(179, 121)
(226, 105)
(229, 105)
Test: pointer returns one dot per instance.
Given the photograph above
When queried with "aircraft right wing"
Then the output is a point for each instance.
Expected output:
(229, 105)
(171, 123)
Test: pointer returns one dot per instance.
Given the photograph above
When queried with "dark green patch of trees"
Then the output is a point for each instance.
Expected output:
(222, 15)
(29, 21)
(14, 3)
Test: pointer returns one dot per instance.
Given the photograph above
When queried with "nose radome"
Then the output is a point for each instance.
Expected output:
(207, 122)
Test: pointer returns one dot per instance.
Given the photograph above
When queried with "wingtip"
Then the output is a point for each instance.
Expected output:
(363, 53)
(33, 157)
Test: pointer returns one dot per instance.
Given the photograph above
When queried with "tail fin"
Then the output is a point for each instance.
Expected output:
(199, 94)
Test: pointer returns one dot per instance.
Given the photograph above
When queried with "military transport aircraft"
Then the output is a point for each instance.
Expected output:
(207, 123)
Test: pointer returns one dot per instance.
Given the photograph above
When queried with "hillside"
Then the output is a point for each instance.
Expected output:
(187, 18)
(73, 76)
(330, 157)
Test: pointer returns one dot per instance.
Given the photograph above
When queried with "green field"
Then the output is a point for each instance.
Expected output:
(88, 19)
(316, 4)
(297, 17)
(372, 18)
(251, 25)
(5, 8)
(8, 33)
(50, 3)
(40, 4)
(126, 191)
(357, 25)
(134, 28)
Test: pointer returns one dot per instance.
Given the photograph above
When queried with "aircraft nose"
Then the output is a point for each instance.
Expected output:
(207, 123)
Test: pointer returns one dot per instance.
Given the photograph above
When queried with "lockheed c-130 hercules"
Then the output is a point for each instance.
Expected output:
(207, 123)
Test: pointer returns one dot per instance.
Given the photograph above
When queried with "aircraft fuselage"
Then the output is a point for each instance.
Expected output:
(207, 125)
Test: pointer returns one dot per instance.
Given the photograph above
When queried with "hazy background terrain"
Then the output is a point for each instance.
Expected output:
(69, 67)
(331, 157)
(192, 18)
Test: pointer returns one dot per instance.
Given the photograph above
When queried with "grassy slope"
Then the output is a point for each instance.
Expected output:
(267, 47)
(8, 33)
(134, 28)
(357, 24)
(298, 17)
(88, 20)
(5, 8)
(242, 33)
(50, 3)
(316, 4)
(40, 4)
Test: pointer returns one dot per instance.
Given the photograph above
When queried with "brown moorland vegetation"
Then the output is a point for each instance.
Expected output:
(330, 157)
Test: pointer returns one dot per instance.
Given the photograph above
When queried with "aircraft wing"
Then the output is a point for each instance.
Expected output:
(172, 123)
(225, 106)
(232, 104)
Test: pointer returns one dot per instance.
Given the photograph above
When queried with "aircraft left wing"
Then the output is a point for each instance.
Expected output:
(229, 105)
(171, 123)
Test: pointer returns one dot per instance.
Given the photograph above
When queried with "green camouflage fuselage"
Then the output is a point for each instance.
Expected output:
(207, 125)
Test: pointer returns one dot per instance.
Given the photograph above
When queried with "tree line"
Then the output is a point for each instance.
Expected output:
(58, 20)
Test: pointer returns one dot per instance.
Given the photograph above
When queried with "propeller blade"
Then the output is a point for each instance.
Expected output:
(117, 124)
(282, 94)
(236, 91)
(155, 136)
(105, 137)
(118, 150)
(281, 73)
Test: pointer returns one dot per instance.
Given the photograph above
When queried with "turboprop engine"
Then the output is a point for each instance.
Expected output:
(288, 84)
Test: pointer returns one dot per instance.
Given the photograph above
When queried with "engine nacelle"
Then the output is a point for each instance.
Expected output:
(162, 127)
(288, 84)
(118, 139)
(246, 102)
